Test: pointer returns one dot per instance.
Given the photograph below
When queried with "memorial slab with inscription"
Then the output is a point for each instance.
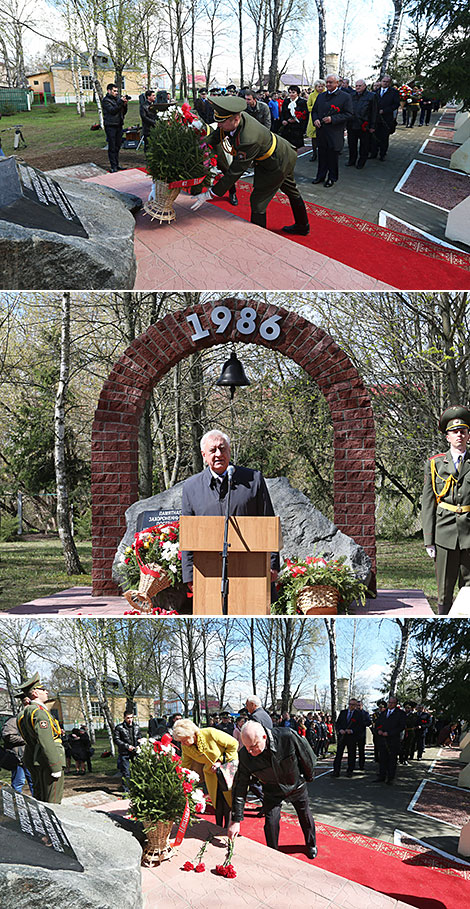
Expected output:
(33, 199)
(60, 232)
(31, 834)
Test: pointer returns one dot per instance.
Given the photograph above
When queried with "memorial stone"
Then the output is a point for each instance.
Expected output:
(31, 834)
(158, 516)
(33, 199)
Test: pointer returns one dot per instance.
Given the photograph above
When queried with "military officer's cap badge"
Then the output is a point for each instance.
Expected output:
(455, 417)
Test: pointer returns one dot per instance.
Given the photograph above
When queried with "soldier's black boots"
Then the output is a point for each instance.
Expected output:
(232, 196)
(258, 218)
(301, 225)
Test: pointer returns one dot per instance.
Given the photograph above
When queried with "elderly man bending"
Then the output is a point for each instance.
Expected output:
(283, 762)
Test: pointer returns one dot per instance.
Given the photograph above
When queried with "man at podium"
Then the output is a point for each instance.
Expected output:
(205, 493)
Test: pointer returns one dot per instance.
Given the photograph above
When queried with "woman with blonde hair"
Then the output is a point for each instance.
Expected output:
(208, 749)
(318, 88)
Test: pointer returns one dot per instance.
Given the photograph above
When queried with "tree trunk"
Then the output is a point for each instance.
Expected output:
(392, 36)
(240, 41)
(331, 631)
(72, 561)
(253, 656)
(405, 631)
(321, 13)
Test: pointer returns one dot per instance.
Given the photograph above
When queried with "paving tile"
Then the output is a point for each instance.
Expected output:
(160, 896)
(355, 896)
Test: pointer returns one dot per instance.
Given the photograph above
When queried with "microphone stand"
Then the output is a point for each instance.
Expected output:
(224, 585)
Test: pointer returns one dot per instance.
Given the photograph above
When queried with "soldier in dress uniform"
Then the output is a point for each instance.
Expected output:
(446, 507)
(253, 146)
(44, 753)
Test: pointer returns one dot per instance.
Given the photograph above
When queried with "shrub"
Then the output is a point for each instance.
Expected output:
(8, 528)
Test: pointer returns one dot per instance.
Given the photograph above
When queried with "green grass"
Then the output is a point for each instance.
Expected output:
(45, 133)
(36, 569)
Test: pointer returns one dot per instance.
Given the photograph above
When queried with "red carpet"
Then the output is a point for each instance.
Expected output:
(414, 875)
(405, 262)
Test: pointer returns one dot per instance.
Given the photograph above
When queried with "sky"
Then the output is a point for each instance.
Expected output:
(364, 37)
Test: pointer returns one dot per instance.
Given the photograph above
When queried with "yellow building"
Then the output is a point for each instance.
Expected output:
(67, 708)
(57, 83)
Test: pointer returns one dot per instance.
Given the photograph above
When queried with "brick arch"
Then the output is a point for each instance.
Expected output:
(162, 346)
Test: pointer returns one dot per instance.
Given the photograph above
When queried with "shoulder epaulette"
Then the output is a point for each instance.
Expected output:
(442, 454)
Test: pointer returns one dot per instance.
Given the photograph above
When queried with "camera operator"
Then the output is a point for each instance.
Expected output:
(148, 113)
(114, 111)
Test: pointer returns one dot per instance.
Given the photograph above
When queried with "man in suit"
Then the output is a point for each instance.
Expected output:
(350, 727)
(389, 727)
(257, 712)
(445, 511)
(272, 158)
(388, 99)
(424, 720)
(361, 742)
(362, 125)
(283, 762)
(330, 114)
(206, 492)
(409, 739)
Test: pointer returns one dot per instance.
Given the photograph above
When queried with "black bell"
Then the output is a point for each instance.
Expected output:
(233, 374)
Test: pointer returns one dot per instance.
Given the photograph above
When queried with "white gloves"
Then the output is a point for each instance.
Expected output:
(203, 197)
(431, 551)
(57, 775)
(151, 194)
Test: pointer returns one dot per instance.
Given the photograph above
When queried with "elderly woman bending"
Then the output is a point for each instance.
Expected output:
(208, 748)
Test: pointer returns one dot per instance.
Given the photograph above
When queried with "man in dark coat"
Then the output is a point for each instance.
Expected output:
(204, 107)
(283, 762)
(330, 114)
(257, 109)
(350, 727)
(424, 721)
(445, 507)
(206, 492)
(389, 728)
(388, 99)
(272, 158)
(114, 111)
(126, 736)
(148, 114)
(362, 124)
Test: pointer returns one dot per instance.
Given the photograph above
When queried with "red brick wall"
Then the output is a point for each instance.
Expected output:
(149, 357)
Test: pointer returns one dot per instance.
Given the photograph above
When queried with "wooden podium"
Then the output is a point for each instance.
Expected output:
(251, 542)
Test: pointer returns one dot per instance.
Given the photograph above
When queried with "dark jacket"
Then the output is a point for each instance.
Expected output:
(388, 104)
(261, 113)
(114, 110)
(260, 716)
(356, 723)
(148, 114)
(204, 109)
(365, 110)
(125, 735)
(292, 763)
(249, 496)
(338, 106)
(294, 132)
(394, 725)
(12, 739)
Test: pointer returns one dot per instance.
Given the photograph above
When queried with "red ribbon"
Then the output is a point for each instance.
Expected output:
(182, 827)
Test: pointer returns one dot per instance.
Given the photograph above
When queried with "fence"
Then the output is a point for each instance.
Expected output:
(16, 98)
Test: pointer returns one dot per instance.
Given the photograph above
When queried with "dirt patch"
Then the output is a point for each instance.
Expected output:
(436, 185)
(76, 783)
(65, 157)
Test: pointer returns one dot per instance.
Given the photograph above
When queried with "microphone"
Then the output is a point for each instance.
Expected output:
(230, 472)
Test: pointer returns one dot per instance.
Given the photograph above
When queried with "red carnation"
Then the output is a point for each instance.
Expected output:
(187, 786)
(166, 739)
(200, 867)
(230, 871)
(188, 866)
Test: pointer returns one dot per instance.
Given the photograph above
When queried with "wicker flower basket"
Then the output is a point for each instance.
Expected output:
(157, 847)
(149, 586)
(318, 600)
(161, 207)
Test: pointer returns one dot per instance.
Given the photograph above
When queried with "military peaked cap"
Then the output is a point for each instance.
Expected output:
(455, 417)
(227, 106)
(27, 686)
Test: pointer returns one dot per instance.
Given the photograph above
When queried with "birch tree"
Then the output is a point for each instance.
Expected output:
(71, 557)
(330, 625)
(321, 15)
(405, 626)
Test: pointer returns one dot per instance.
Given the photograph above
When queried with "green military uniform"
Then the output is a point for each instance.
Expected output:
(446, 512)
(44, 753)
(272, 157)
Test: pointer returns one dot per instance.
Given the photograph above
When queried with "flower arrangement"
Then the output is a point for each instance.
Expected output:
(157, 545)
(297, 574)
(160, 788)
(177, 150)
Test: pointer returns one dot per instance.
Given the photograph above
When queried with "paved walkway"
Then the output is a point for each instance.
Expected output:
(78, 601)
(212, 250)
(364, 193)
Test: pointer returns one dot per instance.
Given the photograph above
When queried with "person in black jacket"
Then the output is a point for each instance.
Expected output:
(204, 107)
(350, 728)
(389, 727)
(388, 99)
(362, 124)
(148, 113)
(330, 114)
(114, 111)
(126, 736)
(294, 117)
(283, 762)
(257, 713)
